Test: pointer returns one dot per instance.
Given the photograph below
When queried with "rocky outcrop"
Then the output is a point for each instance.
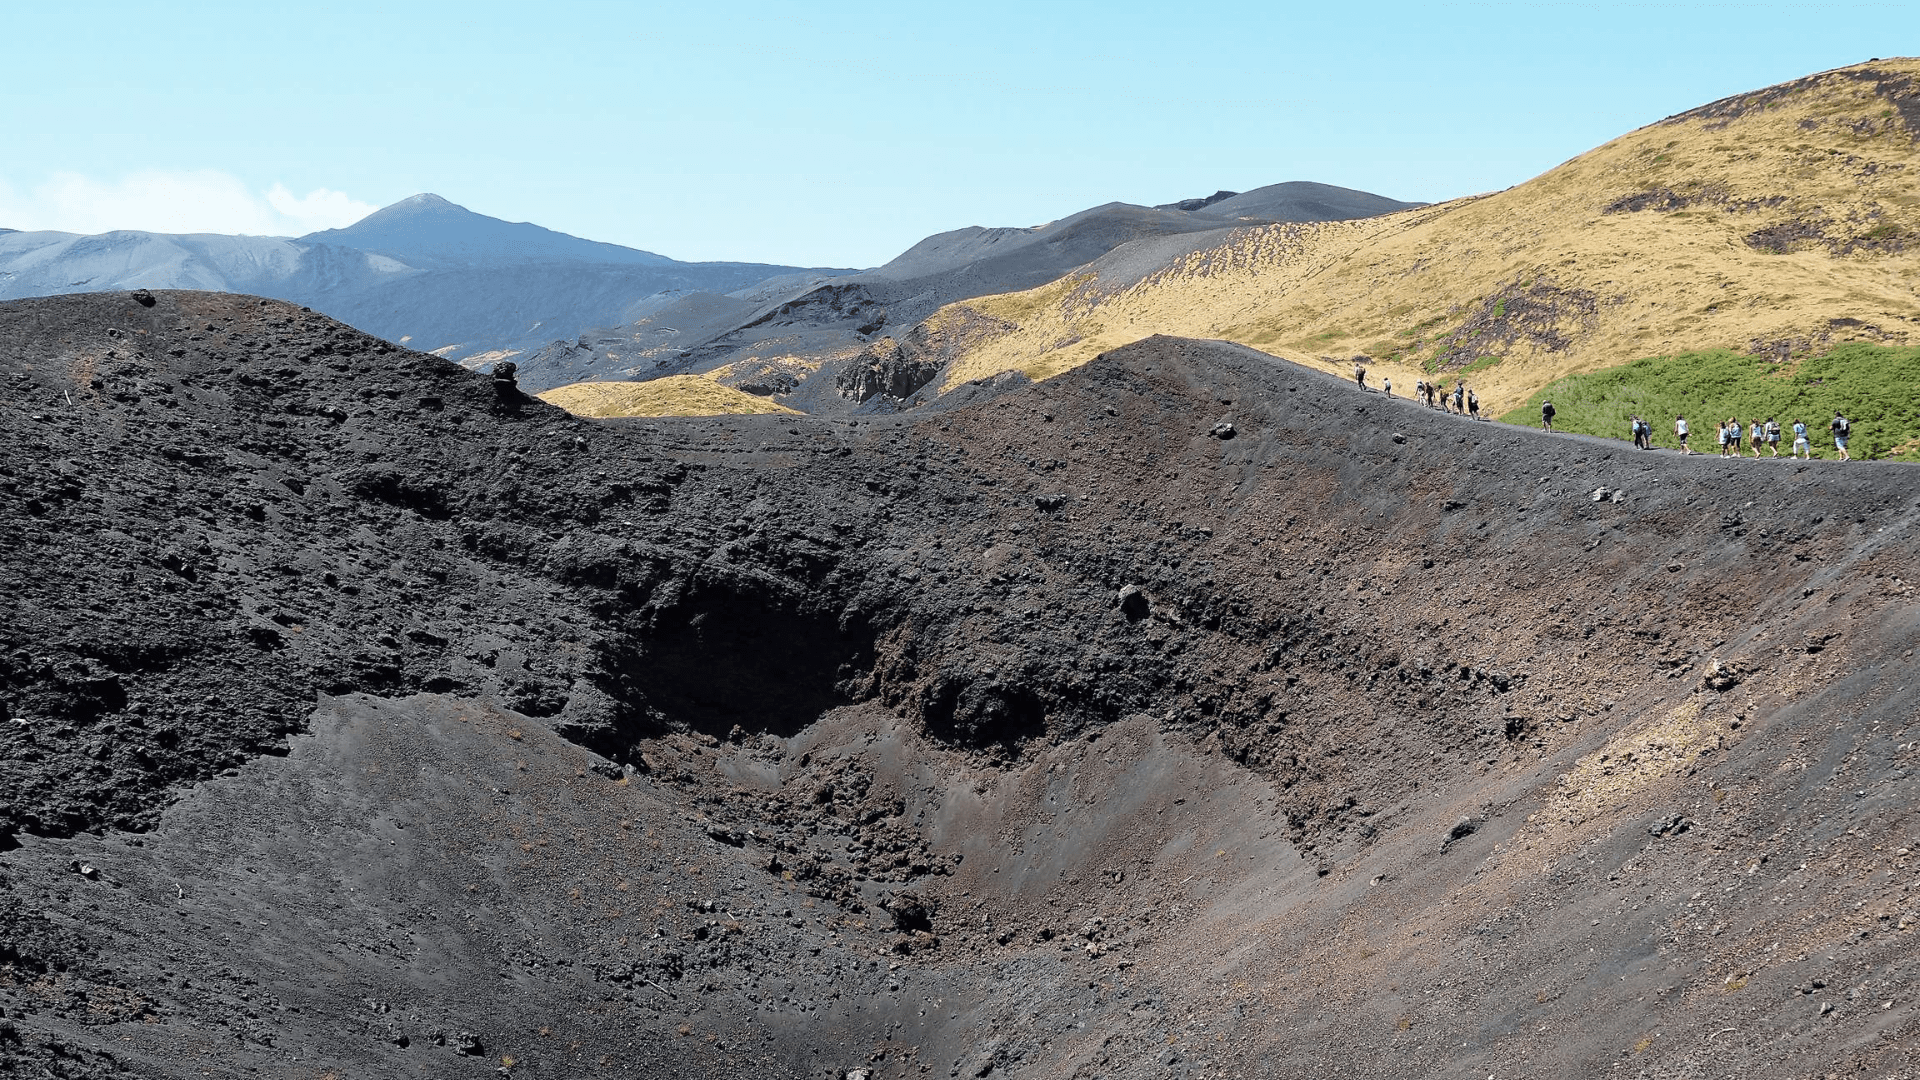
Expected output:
(887, 368)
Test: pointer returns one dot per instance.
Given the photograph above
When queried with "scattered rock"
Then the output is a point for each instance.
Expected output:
(911, 911)
(1133, 603)
(1670, 826)
(1463, 828)
(1222, 430)
(1721, 677)
(143, 298)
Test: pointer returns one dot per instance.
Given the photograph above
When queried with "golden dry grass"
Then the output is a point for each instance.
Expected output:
(675, 395)
(1787, 218)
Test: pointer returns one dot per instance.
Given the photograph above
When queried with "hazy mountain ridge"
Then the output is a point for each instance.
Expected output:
(423, 271)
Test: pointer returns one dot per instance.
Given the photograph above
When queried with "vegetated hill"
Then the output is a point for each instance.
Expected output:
(1190, 714)
(423, 271)
(814, 330)
(1876, 387)
(1774, 223)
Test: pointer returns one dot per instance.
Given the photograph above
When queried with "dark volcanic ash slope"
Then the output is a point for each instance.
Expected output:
(1189, 714)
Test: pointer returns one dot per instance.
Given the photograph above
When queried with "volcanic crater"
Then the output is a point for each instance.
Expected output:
(1189, 714)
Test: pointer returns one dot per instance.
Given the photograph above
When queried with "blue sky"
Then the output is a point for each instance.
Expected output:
(837, 134)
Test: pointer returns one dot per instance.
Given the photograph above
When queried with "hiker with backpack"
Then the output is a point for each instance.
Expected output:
(1639, 432)
(1359, 373)
(1386, 384)
(1546, 416)
(1473, 405)
(1733, 436)
(1755, 435)
(1773, 436)
(1801, 448)
(1841, 429)
(1460, 397)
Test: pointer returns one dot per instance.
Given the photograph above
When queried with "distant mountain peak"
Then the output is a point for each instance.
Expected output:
(426, 228)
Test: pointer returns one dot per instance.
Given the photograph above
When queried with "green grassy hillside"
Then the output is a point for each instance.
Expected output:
(1877, 387)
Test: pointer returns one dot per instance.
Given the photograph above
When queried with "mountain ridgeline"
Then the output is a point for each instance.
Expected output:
(423, 272)
(835, 345)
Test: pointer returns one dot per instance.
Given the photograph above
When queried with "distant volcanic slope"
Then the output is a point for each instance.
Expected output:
(838, 336)
(424, 271)
(1193, 712)
(1777, 222)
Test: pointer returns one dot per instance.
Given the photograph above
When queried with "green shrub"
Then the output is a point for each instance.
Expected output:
(1877, 387)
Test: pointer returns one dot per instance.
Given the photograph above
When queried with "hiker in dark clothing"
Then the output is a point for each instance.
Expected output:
(1546, 416)
(1360, 374)
(1473, 405)
(1842, 428)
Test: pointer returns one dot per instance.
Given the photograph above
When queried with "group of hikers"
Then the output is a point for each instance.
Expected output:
(1755, 434)
(1458, 400)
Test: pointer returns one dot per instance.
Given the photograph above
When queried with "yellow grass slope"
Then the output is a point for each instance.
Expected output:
(675, 395)
(1773, 222)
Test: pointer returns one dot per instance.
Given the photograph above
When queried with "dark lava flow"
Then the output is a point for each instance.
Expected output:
(1188, 714)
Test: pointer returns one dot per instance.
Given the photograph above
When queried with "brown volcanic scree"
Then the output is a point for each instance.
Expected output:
(1190, 714)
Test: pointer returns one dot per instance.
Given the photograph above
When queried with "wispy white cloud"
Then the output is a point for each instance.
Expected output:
(200, 200)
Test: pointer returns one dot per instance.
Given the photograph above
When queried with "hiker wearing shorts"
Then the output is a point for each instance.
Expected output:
(1755, 436)
(1473, 405)
(1733, 436)
(1801, 448)
(1680, 430)
(1773, 436)
(1546, 416)
(1386, 384)
(1460, 396)
(1842, 428)
(1723, 438)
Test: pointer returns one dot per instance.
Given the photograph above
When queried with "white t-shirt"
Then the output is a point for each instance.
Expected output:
(1679, 427)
